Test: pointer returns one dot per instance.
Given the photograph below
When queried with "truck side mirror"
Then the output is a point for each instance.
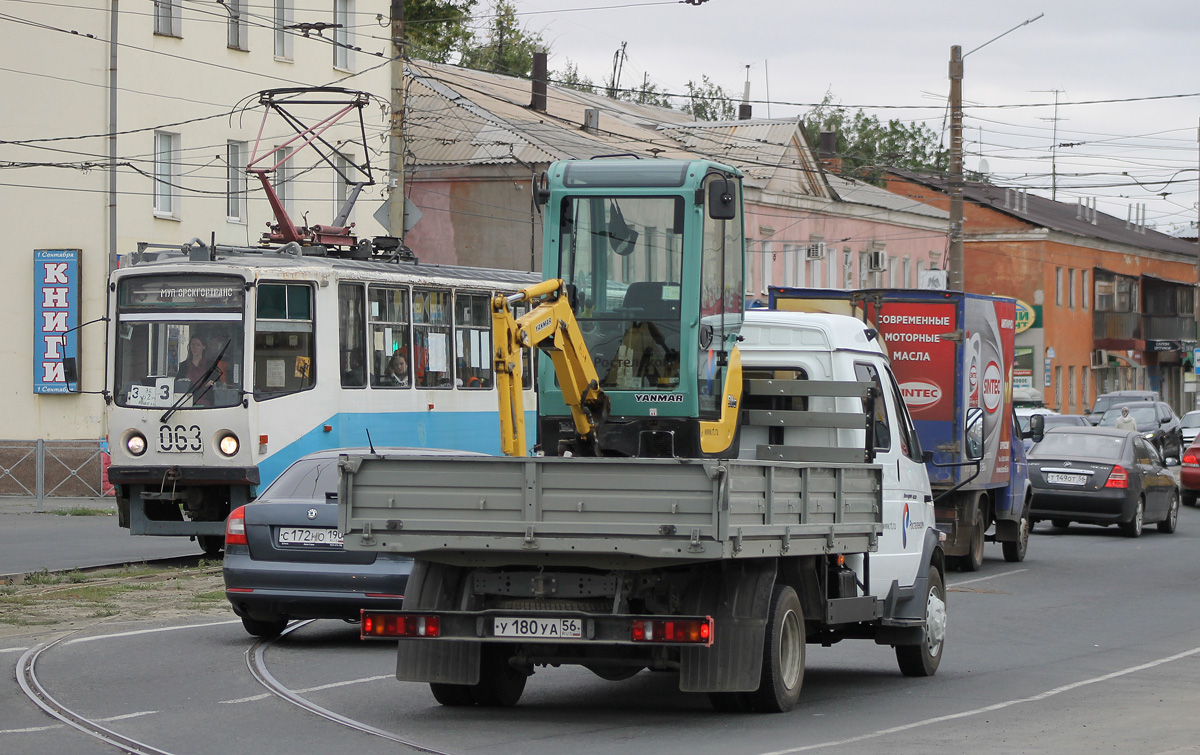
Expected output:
(974, 434)
(1037, 427)
(721, 196)
(70, 370)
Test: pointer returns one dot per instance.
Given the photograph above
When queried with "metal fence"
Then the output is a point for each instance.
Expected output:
(43, 469)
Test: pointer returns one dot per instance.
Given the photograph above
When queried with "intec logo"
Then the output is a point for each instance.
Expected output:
(993, 387)
(919, 395)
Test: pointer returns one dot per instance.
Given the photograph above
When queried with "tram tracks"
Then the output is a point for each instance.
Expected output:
(35, 690)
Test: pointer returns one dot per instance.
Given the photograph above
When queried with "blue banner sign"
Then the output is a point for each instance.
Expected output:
(55, 315)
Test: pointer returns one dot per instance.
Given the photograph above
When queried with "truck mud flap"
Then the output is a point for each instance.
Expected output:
(445, 662)
(738, 596)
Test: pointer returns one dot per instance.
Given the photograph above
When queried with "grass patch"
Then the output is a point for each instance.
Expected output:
(81, 511)
(209, 597)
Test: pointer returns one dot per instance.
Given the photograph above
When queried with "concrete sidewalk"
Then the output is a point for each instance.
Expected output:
(31, 541)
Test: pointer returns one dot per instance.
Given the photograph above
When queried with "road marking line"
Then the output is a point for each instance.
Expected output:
(252, 698)
(127, 715)
(32, 729)
(984, 579)
(148, 631)
(12, 650)
(989, 708)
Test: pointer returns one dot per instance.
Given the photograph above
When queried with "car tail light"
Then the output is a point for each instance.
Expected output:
(1190, 459)
(693, 631)
(1117, 478)
(235, 527)
(390, 625)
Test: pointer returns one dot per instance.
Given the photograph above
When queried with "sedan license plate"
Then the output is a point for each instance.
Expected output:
(1055, 478)
(511, 626)
(319, 536)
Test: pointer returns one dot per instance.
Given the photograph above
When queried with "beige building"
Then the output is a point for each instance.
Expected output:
(186, 118)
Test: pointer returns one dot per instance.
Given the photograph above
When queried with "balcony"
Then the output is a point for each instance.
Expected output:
(1124, 327)
(1168, 328)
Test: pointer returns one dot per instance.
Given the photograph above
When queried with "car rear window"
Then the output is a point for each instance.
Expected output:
(307, 478)
(1143, 415)
(1079, 445)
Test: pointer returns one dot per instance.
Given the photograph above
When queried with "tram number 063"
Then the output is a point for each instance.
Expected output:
(178, 438)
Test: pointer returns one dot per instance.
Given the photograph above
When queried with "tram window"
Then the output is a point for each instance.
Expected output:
(472, 341)
(391, 358)
(432, 322)
(351, 349)
(283, 339)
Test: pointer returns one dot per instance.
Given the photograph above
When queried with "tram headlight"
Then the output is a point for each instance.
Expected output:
(228, 444)
(135, 444)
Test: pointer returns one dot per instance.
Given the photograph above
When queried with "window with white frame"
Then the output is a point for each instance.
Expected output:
(235, 181)
(237, 35)
(891, 273)
(167, 17)
(166, 174)
(283, 17)
(1084, 293)
(864, 269)
(920, 269)
(789, 265)
(847, 268)
(768, 261)
(343, 34)
(835, 271)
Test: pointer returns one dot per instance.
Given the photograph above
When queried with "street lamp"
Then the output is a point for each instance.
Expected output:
(954, 261)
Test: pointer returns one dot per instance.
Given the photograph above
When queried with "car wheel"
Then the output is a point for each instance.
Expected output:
(783, 655)
(1133, 528)
(1014, 551)
(1061, 524)
(264, 629)
(500, 685)
(212, 545)
(924, 659)
(1189, 497)
(1168, 525)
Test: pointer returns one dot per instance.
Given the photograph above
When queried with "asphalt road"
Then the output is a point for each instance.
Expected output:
(1090, 645)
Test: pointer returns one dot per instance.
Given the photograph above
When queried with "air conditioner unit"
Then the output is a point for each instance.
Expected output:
(1099, 358)
(932, 280)
(815, 251)
(878, 261)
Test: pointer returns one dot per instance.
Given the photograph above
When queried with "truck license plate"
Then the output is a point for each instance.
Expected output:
(1055, 478)
(511, 626)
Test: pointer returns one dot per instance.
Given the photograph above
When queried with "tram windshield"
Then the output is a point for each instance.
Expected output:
(179, 341)
(624, 257)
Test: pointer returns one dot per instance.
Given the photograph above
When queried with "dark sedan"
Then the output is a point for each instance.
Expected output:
(284, 558)
(1156, 422)
(1100, 475)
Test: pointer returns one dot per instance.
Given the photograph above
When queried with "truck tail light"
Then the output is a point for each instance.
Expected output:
(235, 527)
(389, 625)
(693, 632)
(1117, 478)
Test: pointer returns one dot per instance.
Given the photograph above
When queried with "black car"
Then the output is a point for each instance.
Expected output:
(1105, 400)
(284, 558)
(1098, 475)
(1155, 421)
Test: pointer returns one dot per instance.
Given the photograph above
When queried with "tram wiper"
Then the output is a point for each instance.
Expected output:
(192, 388)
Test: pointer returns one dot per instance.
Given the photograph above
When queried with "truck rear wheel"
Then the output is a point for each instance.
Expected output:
(783, 655)
(500, 685)
(924, 659)
(452, 695)
(973, 560)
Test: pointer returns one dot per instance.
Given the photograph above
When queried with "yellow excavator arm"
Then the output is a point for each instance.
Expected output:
(551, 326)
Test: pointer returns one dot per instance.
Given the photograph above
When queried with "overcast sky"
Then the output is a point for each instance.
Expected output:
(874, 53)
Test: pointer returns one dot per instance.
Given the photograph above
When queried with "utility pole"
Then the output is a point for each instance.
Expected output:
(396, 130)
(954, 259)
(1195, 298)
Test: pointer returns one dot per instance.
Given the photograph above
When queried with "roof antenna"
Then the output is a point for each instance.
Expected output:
(369, 442)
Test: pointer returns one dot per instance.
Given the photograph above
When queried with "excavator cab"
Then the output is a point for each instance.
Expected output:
(652, 254)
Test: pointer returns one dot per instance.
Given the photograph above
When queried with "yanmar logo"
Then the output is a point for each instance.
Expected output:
(539, 327)
(658, 398)
(919, 394)
(993, 387)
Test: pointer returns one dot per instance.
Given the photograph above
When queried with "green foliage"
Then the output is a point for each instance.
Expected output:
(507, 49)
(569, 77)
(867, 146)
(433, 29)
(708, 102)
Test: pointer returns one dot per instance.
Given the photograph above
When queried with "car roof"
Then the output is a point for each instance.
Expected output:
(1089, 430)
(1130, 404)
(1142, 395)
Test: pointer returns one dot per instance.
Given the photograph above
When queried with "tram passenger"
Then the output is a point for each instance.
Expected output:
(397, 371)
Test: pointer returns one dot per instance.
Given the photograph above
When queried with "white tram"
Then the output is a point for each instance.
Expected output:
(226, 364)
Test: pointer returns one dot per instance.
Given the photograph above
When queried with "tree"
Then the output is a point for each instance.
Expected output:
(708, 102)
(434, 29)
(867, 146)
(508, 48)
(569, 77)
